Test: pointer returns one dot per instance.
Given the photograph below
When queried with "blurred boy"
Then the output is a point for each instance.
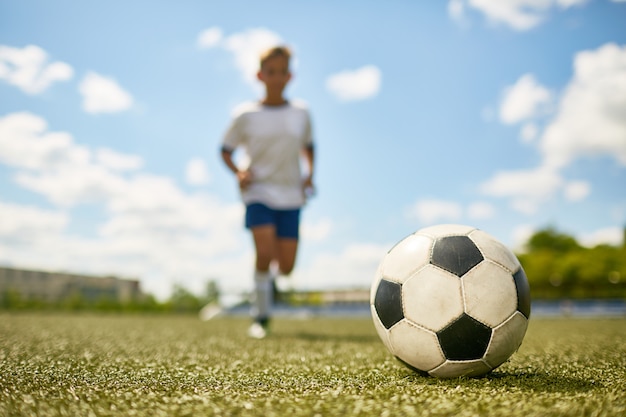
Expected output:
(275, 133)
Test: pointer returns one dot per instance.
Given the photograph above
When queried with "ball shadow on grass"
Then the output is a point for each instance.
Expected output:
(542, 381)
(531, 381)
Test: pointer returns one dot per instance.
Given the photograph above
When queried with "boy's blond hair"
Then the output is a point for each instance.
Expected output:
(274, 51)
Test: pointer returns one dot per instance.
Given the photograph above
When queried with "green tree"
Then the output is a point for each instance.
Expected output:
(183, 301)
(551, 239)
(212, 293)
(558, 266)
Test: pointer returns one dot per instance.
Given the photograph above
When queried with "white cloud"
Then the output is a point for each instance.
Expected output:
(517, 14)
(209, 38)
(103, 94)
(117, 161)
(588, 121)
(25, 143)
(317, 231)
(529, 132)
(27, 223)
(526, 188)
(245, 46)
(591, 119)
(577, 190)
(72, 185)
(430, 211)
(359, 84)
(456, 9)
(609, 236)
(197, 172)
(520, 236)
(52, 164)
(524, 100)
(28, 68)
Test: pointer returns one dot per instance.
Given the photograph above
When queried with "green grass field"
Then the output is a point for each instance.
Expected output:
(82, 365)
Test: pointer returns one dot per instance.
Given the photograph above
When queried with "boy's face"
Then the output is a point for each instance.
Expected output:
(275, 74)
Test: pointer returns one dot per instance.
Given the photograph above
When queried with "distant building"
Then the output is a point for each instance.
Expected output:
(57, 286)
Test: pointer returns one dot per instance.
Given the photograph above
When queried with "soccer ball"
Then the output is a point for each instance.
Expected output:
(450, 301)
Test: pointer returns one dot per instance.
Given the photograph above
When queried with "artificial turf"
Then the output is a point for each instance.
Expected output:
(86, 365)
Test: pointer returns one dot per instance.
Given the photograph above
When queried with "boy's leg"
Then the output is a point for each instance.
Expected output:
(285, 259)
(286, 250)
(262, 297)
(275, 236)
(287, 233)
(265, 244)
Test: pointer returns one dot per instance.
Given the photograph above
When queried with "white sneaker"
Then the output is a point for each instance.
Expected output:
(210, 311)
(257, 331)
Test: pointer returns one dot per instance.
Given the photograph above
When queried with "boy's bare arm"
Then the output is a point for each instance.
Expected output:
(243, 177)
(309, 156)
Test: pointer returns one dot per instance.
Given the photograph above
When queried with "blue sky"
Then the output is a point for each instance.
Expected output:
(509, 116)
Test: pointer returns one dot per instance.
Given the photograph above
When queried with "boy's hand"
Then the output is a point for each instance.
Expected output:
(244, 178)
(308, 188)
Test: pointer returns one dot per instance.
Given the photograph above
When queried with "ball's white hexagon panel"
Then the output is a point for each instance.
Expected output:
(494, 250)
(506, 339)
(490, 293)
(409, 255)
(455, 369)
(432, 298)
(416, 346)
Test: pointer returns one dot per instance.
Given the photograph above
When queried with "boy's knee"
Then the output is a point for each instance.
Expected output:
(286, 268)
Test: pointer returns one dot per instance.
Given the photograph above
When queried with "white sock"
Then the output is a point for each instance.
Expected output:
(262, 296)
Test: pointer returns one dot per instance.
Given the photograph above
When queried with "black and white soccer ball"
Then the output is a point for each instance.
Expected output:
(450, 301)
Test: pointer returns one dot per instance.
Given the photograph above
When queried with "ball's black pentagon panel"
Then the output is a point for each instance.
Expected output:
(523, 292)
(388, 303)
(464, 339)
(456, 254)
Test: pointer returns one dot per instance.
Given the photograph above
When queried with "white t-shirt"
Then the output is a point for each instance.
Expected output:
(273, 138)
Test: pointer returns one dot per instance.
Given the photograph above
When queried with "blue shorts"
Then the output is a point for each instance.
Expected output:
(286, 222)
